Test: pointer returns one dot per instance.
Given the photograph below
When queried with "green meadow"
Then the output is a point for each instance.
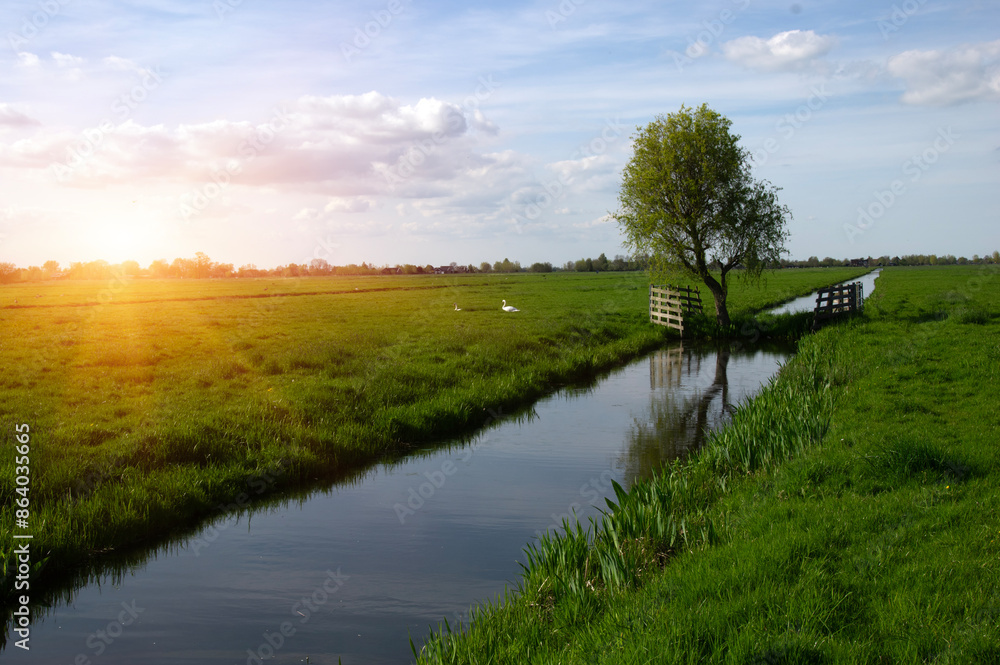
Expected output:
(848, 514)
(152, 402)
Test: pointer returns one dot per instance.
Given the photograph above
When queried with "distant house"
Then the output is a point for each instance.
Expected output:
(392, 271)
(859, 263)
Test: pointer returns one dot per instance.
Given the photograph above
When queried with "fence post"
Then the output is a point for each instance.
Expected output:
(836, 301)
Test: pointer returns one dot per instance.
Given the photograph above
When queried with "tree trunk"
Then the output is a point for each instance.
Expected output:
(721, 312)
(719, 292)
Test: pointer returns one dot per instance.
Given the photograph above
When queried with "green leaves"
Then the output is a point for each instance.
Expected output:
(688, 199)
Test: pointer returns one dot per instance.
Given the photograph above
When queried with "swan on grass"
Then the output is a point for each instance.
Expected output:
(509, 308)
(457, 308)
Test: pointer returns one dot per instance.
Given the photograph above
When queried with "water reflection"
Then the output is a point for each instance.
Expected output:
(470, 507)
(689, 397)
(59, 587)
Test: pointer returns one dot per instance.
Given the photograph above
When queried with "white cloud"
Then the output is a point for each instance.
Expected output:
(25, 59)
(343, 147)
(592, 173)
(339, 145)
(594, 223)
(307, 214)
(483, 124)
(350, 204)
(11, 117)
(66, 60)
(122, 64)
(793, 49)
(71, 64)
(943, 78)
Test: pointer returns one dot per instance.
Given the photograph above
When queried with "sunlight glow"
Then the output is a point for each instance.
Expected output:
(115, 239)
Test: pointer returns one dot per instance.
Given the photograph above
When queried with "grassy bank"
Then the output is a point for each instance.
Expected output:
(151, 403)
(848, 515)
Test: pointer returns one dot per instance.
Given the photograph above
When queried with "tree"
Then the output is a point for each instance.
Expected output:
(320, 267)
(248, 270)
(507, 266)
(182, 268)
(51, 269)
(222, 270)
(98, 269)
(688, 199)
(131, 268)
(8, 272)
(159, 268)
(202, 265)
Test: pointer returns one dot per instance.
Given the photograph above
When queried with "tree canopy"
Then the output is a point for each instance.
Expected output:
(689, 200)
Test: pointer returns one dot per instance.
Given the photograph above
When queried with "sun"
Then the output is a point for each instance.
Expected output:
(121, 242)
(116, 239)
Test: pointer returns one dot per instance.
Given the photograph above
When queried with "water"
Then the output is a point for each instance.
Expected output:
(351, 571)
(808, 303)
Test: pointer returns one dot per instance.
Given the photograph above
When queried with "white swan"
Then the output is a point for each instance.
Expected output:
(509, 308)
(457, 308)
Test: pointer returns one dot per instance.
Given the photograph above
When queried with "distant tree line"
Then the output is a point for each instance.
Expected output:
(905, 260)
(602, 264)
(201, 266)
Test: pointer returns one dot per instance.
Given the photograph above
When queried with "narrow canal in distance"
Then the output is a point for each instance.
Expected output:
(354, 570)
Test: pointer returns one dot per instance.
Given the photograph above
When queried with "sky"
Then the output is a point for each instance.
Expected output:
(424, 131)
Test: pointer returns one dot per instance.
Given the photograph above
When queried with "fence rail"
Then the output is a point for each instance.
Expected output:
(837, 301)
(668, 305)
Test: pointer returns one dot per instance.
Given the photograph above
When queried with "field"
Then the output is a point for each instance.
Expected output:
(848, 515)
(150, 402)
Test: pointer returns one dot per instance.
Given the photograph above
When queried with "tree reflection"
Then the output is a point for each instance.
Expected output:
(689, 399)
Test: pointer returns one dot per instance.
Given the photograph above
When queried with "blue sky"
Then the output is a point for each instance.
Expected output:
(428, 132)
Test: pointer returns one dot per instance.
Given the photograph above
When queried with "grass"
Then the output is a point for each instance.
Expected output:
(848, 515)
(152, 402)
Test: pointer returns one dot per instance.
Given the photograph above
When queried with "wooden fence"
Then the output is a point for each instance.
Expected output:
(668, 305)
(837, 301)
